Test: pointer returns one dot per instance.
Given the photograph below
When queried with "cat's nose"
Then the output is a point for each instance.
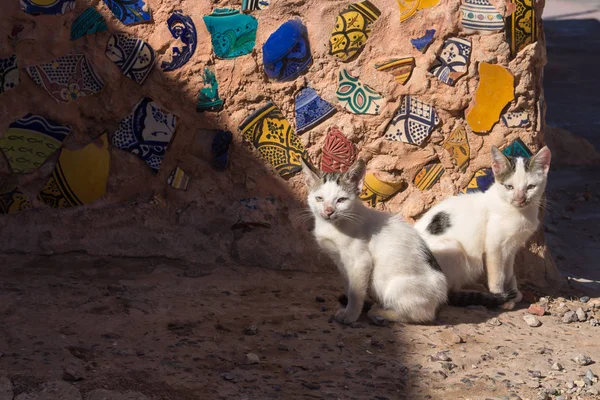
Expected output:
(328, 211)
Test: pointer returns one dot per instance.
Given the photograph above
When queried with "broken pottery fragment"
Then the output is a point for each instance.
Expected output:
(88, 22)
(453, 60)
(517, 149)
(286, 53)
(339, 153)
(376, 191)
(457, 145)
(516, 119)
(481, 181)
(400, 68)
(480, 16)
(67, 78)
(130, 11)
(352, 29)
(12, 199)
(494, 92)
(178, 179)
(408, 8)
(208, 97)
(428, 176)
(181, 27)
(521, 26)
(356, 97)
(134, 57)
(311, 110)
(252, 5)
(29, 142)
(423, 42)
(274, 139)
(220, 149)
(79, 177)
(9, 73)
(232, 33)
(47, 7)
(413, 122)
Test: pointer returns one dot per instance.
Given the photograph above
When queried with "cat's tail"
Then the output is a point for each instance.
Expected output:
(463, 298)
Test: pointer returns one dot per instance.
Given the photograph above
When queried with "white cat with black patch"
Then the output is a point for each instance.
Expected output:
(475, 233)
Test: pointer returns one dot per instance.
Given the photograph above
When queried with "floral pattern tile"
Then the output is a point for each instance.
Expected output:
(521, 26)
(311, 110)
(208, 97)
(130, 12)
(47, 7)
(423, 42)
(481, 181)
(339, 153)
(286, 53)
(413, 122)
(67, 78)
(12, 199)
(428, 176)
(181, 27)
(356, 97)
(88, 22)
(400, 68)
(517, 149)
(9, 73)
(134, 57)
(178, 179)
(458, 147)
(232, 33)
(146, 132)
(453, 60)
(480, 16)
(377, 191)
(519, 119)
(352, 29)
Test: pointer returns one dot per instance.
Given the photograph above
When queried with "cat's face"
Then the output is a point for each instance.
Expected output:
(332, 196)
(521, 181)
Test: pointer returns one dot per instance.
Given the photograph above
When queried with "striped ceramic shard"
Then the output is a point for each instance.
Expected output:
(457, 145)
(400, 68)
(12, 199)
(428, 176)
(9, 73)
(311, 110)
(518, 119)
(521, 26)
(352, 29)
(376, 191)
(178, 179)
(481, 181)
(413, 122)
(356, 97)
(481, 16)
(517, 149)
(182, 28)
(208, 97)
(453, 60)
(67, 78)
(88, 22)
(251, 5)
(339, 153)
(47, 7)
(130, 11)
(423, 42)
(134, 57)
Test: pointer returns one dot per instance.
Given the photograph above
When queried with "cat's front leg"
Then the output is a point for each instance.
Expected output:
(501, 278)
(358, 276)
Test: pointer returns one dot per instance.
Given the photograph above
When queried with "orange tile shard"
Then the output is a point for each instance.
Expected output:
(496, 89)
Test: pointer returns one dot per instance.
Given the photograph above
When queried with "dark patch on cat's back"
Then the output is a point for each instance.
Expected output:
(439, 223)
(430, 258)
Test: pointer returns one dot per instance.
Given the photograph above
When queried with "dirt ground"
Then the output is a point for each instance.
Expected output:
(147, 329)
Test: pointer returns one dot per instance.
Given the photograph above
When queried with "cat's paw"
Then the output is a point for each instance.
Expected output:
(344, 317)
(509, 305)
(518, 298)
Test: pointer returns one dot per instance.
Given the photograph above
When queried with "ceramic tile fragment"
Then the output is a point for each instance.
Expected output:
(178, 179)
(67, 78)
(12, 199)
(400, 68)
(517, 149)
(252, 5)
(423, 42)
(79, 177)
(413, 122)
(47, 7)
(521, 26)
(453, 60)
(311, 110)
(339, 153)
(494, 92)
(429, 176)
(134, 57)
(29, 141)
(286, 53)
(130, 11)
(88, 22)
(356, 97)
(9, 73)
(518, 119)
(232, 34)
(480, 16)
(274, 139)
(457, 145)
(408, 8)
(146, 132)
(352, 29)
(220, 149)
(181, 27)
(481, 181)
(208, 96)
(376, 191)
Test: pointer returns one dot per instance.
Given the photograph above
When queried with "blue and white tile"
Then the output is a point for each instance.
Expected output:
(134, 57)
(413, 122)
(182, 28)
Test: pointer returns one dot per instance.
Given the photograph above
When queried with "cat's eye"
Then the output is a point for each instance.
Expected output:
(319, 199)
(509, 187)
(342, 199)
(529, 187)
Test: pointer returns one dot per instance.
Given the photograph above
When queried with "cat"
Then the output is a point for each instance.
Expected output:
(477, 233)
(377, 253)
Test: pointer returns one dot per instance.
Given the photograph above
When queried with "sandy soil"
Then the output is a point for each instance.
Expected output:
(148, 329)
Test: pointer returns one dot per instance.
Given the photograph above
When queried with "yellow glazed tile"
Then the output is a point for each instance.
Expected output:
(428, 176)
(408, 8)
(427, 4)
(400, 68)
(496, 89)
(458, 147)
(12, 200)
(375, 190)
(352, 29)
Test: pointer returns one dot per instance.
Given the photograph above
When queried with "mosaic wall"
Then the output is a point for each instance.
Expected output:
(178, 128)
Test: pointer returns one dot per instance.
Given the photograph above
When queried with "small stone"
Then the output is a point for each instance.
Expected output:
(531, 320)
(449, 337)
(582, 359)
(588, 382)
(536, 310)
(320, 299)
(251, 330)
(252, 358)
(579, 383)
(441, 356)
(593, 391)
(584, 299)
(581, 315)
(495, 322)
(340, 345)
(569, 317)
(467, 381)
(594, 322)
(448, 366)
(591, 376)
(535, 374)
(533, 383)
(557, 366)
(311, 386)
(560, 398)
(570, 385)
(227, 376)
(72, 375)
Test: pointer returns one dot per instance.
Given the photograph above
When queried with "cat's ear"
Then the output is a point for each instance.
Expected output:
(541, 161)
(356, 174)
(500, 162)
(311, 179)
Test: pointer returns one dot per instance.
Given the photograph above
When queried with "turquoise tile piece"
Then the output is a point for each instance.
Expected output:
(89, 21)
(517, 149)
(232, 33)
(208, 97)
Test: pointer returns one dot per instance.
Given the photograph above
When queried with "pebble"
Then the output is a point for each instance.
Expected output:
(227, 376)
(495, 322)
(320, 299)
(569, 317)
(579, 383)
(584, 299)
(593, 391)
(340, 344)
(251, 330)
(533, 383)
(535, 374)
(581, 315)
(582, 359)
(252, 358)
(441, 356)
(594, 322)
(570, 385)
(536, 310)
(591, 376)
(448, 366)
(449, 337)
(531, 320)
(557, 366)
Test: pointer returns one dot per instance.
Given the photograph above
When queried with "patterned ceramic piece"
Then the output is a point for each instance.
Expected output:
(89, 21)
(67, 78)
(208, 97)
(423, 42)
(311, 110)
(220, 149)
(130, 11)
(481, 16)
(146, 132)
(29, 142)
(182, 27)
(413, 122)
(400, 68)
(356, 97)
(516, 119)
(408, 8)
(428, 176)
(376, 191)
(232, 34)
(338, 152)
(134, 57)
(12, 200)
(178, 179)
(79, 177)
(458, 147)
(495, 91)
(251, 5)
(453, 61)
(517, 149)
(274, 139)
(352, 29)
(481, 181)
(286, 53)
(47, 7)
(9, 73)
(521, 26)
